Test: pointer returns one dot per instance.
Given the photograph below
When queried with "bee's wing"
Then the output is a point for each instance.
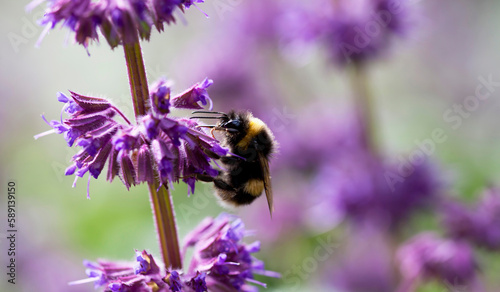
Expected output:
(264, 164)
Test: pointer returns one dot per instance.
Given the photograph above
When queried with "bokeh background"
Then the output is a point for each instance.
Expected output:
(307, 102)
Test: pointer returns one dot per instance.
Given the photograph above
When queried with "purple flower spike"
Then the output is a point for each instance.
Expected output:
(429, 256)
(356, 187)
(220, 253)
(142, 276)
(175, 148)
(190, 98)
(348, 31)
(210, 269)
(119, 21)
(478, 224)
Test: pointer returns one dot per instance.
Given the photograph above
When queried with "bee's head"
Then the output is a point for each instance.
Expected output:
(233, 125)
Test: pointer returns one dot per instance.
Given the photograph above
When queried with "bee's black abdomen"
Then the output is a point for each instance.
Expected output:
(242, 198)
(228, 193)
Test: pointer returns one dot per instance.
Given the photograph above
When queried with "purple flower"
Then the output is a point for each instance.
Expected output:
(361, 29)
(141, 276)
(177, 146)
(220, 253)
(198, 283)
(365, 264)
(173, 281)
(479, 224)
(146, 264)
(191, 97)
(221, 262)
(357, 186)
(160, 96)
(306, 147)
(428, 256)
(350, 30)
(118, 21)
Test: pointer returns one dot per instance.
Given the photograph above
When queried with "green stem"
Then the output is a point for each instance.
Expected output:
(137, 78)
(160, 197)
(163, 212)
(364, 107)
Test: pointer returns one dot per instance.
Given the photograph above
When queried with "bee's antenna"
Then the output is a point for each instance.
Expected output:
(205, 126)
(209, 112)
(206, 118)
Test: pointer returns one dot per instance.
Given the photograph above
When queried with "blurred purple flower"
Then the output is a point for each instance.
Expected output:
(426, 256)
(361, 29)
(177, 147)
(287, 221)
(38, 263)
(316, 136)
(350, 30)
(480, 224)
(356, 187)
(119, 21)
(220, 253)
(258, 19)
(364, 265)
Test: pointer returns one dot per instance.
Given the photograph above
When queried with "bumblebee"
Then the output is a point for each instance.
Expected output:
(245, 173)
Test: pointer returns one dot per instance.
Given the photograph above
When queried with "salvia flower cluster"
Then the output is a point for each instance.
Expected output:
(144, 275)
(119, 21)
(363, 188)
(348, 30)
(360, 30)
(175, 148)
(479, 224)
(427, 256)
(452, 259)
(220, 253)
(221, 262)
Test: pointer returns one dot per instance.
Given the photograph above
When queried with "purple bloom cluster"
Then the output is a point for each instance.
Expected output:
(350, 30)
(221, 262)
(142, 276)
(365, 264)
(428, 256)
(305, 146)
(479, 225)
(357, 186)
(118, 21)
(220, 253)
(361, 29)
(174, 148)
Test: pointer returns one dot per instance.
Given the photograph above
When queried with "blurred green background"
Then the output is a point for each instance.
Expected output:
(424, 75)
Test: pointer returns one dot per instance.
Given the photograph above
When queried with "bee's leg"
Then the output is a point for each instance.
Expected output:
(219, 183)
(204, 177)
(230, 160)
